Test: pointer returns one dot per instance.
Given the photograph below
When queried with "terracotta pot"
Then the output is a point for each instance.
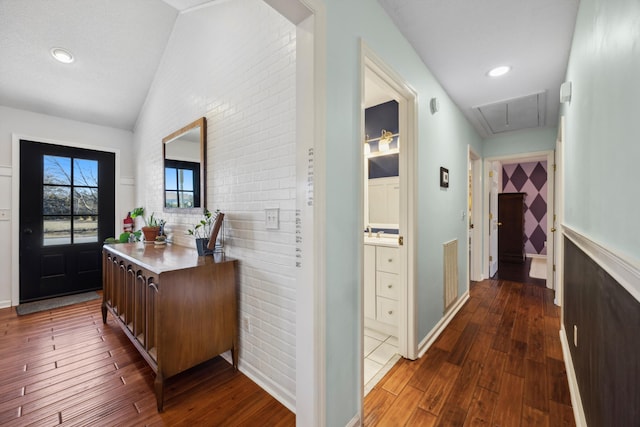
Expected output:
(150, 233)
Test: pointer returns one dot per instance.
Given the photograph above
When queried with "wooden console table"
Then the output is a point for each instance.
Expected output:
(177, 308)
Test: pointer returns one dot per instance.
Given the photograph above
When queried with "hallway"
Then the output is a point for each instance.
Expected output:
(499, 362)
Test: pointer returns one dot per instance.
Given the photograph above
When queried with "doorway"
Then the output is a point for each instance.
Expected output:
(530, 173)
(387, 218)
(474, 213)
(67, 209)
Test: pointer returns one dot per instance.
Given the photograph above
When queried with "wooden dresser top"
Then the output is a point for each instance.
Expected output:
(160, 259)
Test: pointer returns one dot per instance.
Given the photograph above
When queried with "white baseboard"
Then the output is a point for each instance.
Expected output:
(426, 343)
(574, 391)
(5, 303)
(355, 421)
(282, 396)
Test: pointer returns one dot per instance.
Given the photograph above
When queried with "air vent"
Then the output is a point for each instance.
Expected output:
(514, 114)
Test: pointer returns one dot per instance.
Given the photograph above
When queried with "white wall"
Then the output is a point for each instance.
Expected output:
(442, 141)
(602, 127)
(43, 128)
(234, 63)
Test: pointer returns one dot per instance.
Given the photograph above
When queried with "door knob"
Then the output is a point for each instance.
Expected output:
(27, 231)
(499, 223)
(553, 229)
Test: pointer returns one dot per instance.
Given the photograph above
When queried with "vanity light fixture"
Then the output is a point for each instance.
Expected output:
(499, 71)
(385, 139)
(62, 55)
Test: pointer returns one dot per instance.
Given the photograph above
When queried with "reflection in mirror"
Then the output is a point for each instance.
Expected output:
(184, 166)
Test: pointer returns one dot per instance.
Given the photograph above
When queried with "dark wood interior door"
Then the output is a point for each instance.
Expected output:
(67, 209)
(511, 227)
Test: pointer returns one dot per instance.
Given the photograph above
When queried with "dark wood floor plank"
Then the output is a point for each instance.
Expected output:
(421, 418)
(508, 411)
(536, 393)
(403, 408)
(376, 404)
(491, 375)
(398, 378)
(66, 366)
(438, 391)
(482, 407)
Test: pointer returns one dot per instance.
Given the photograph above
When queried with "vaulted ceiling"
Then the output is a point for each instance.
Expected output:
(118, 46)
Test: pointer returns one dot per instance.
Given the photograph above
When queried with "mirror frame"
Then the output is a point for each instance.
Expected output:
(202, 123)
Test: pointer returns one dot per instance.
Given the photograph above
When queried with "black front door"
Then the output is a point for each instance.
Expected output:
(67, 209)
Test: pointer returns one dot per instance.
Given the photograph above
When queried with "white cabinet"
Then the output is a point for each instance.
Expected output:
(381, 287)
(370, 281)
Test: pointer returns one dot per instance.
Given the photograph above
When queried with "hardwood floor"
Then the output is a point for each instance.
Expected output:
(498, 363)
(64, 367)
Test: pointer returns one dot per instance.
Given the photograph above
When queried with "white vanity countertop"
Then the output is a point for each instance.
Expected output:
(390, 240)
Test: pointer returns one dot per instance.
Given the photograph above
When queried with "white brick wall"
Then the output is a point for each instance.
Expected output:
(234, 62)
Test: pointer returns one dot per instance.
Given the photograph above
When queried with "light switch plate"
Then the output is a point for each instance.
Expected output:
(5, 214)
(272, 218)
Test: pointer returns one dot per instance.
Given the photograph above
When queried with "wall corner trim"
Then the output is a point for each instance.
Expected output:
(574, 391)
(623, 270)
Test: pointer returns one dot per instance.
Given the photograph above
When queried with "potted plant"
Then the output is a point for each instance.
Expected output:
(202, 230)
(152, 225)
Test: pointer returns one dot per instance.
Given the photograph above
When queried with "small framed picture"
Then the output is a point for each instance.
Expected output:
(444, 177)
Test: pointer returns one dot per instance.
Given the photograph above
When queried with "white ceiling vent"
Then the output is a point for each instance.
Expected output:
(514, 114)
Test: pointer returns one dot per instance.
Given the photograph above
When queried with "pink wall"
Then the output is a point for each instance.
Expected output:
(530, 178)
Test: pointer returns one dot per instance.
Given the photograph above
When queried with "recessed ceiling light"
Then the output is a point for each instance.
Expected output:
(62, 55)
(499, 71)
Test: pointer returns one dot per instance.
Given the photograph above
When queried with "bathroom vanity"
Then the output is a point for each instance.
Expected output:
(177, 308)
(381, 283)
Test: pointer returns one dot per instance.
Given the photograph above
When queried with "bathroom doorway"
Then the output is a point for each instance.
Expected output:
(388, 143)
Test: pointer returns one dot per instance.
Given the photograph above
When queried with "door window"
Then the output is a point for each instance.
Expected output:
(70, 200)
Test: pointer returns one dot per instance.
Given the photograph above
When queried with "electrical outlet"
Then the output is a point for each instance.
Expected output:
(575, 335)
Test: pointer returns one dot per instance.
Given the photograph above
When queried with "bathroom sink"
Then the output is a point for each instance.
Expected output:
(383, 240)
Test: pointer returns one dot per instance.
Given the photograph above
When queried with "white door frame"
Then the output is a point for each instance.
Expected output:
(309, 16)
(559, 219)
(474, 270)
(407, 110)
(549, 157)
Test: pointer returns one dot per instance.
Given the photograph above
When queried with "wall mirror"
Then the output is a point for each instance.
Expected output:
(184, 167)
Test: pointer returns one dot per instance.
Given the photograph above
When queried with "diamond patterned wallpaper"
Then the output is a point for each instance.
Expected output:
(530, 178)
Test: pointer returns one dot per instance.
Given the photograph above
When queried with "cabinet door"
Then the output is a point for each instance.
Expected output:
(387, 311)
(387, 259)
(388, 285)
(370, 281)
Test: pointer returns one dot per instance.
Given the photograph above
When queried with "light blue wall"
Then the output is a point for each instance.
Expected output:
(524, 141)
(443, 140)
(602, 149)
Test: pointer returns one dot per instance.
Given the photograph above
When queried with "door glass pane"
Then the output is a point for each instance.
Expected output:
(85, 172)
(56, 200)
(56, 230)
(85, 201)
(57, 170)
(85, 229)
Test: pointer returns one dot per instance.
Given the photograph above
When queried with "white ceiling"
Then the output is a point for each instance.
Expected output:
(118, 45)
(461, 40)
